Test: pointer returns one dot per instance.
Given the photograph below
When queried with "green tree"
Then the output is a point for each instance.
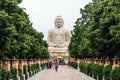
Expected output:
(97, 31)
(18, 38)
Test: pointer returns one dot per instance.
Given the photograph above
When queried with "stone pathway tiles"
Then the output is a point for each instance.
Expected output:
(63, 73)
(37, 76)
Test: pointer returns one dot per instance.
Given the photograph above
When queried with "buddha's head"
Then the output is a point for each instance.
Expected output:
(59, 22)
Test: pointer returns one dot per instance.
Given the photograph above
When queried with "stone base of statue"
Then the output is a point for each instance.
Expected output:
(59, 54)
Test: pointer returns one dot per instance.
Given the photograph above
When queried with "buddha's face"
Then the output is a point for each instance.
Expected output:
(59, 23)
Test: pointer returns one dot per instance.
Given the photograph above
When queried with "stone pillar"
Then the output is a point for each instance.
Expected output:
(101, 61)
(21, 63)
(92, 60)
(82, 60)
(77, 61)
(41, 61)
(25, 62)
(33, 60)
(6, 64)
(88, 60)
(45, 60)
(29, 63)
(15, 64)
(107, 61)
(29, 68)
(115, 63)
(38, 61)
(96, 60)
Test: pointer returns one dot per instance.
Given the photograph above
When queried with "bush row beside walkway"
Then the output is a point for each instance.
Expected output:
(100, 72)
(100, 69)
(14, 69)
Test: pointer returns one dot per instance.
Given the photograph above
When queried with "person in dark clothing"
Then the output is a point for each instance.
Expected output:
(50, 64)
(47, 64)
(56, 65)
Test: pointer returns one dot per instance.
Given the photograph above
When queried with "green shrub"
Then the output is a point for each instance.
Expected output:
(13, 74)
(43, 65)
(74, 64)
(29, 69)
(82, 67)
(107, 72)
(115, 73)
(26, 76)
(19, 71)
(21, 77)
(32, 67)
(37, 66)
(100, 72)
(86, 68)
(24, 69)
(6, 75)
(89, 69)
(94, 70)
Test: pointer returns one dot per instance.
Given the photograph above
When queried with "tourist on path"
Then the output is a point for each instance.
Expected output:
(56, 65)
(68, 63)
(48, 65)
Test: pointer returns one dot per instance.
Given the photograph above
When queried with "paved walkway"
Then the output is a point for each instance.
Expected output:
(63, 73)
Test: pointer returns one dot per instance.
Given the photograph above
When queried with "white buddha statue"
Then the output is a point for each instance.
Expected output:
(58, 37)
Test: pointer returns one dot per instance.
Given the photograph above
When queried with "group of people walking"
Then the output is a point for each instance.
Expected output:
(53, 64)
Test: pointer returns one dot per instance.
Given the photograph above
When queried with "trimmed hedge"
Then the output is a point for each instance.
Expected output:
(74, 64)
(43, 65)
(95, 70)
(99, 71)
(6, 75)
(115, 74)
(89, 69)
(82, 67)
(107, 72)
(12, 74)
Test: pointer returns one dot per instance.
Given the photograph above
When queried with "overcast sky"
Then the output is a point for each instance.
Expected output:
(42, 13)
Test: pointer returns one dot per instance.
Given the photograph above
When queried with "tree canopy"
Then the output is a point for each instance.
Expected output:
(17, 36)
(97, 32)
